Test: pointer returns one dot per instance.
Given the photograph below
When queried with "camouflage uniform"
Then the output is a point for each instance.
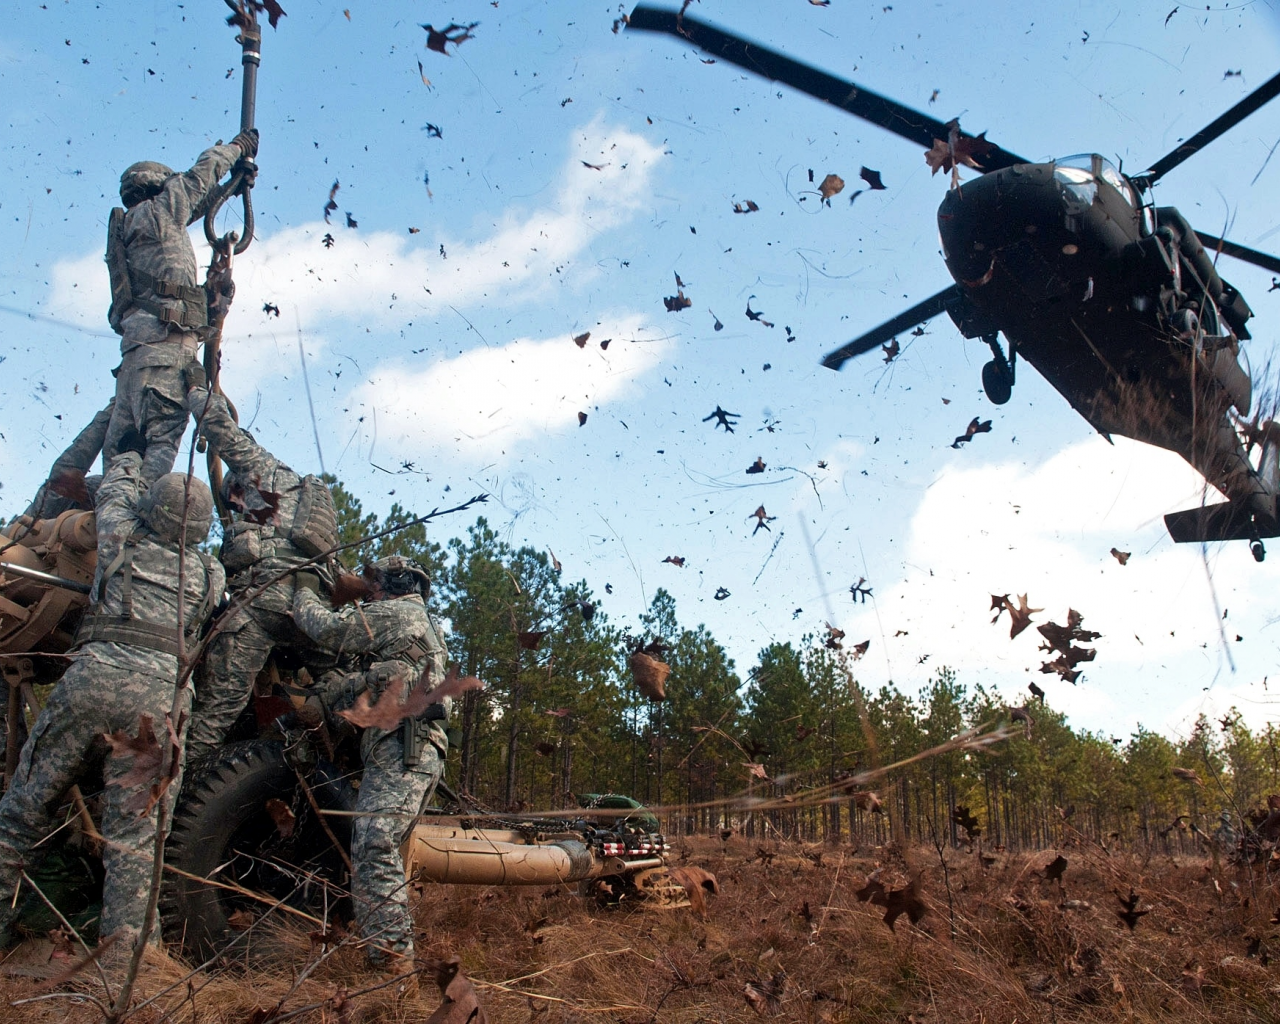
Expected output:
(238, 653)
(79, 457)
(109, 686)
(158, 336)
(394, 638)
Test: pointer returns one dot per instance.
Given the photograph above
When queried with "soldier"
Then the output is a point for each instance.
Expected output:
(156, 303)
(126, 668)
(285, 519)
(394, 637)
(76, 461)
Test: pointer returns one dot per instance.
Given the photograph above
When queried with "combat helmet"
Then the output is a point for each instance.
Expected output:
(396, 576)
(161, 508)
(142, 181)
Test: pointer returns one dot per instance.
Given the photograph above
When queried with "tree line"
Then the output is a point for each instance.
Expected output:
(562, 716)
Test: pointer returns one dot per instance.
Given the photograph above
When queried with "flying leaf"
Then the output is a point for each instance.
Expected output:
(148, 759)
(858, 650)
(1130, 915)
(757, 316)
(332, 205)
(392, 706)
(890, 350)
(722, 419)
(451, 33)
(558, 712)
(1186, 775)
(677, 302)
(676, 560)
(697, 883)
(975, 427)
(869, 802)
(283, 816)
(904, 901)
(69, 483)
(831, 185)
(718, 325)
(721, 594)
(1054, 869)
(351, 221)
(748, 207)
(544, 748)
(650, 675)
(555, 562)
(581, 339)
(872, 178)
(756, 770)
(530, 641)
(965, 818)
(240, 920)
(582, 419)
(1120, 556)
(756, 467)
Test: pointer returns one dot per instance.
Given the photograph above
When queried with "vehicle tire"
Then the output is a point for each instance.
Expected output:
(223, 829)
(996, 383)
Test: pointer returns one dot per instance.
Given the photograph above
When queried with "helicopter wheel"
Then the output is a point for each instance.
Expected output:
(996, 383)
(1257, 550)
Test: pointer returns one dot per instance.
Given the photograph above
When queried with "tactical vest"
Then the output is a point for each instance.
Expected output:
(129, 629)
(313, 532)
(186, 307)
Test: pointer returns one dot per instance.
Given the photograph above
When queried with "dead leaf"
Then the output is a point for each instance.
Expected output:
(872, 178)
(832, 185)
(390, 709)
(650, 675)
(763, 519)
(757, 316)
(749, 207)
(1187, 775)
(451, 33)
(890, 350)
(555, 562)
(558, 712)
(581, 339)
(531, 640)
(148, 757)
(765, 997)
(697, 883)
(1130, 915)
(677, 302)
(965, 818)
(283, 816)
(1020, 617)
(332, 206)
(755, 467)
(240, 920)
(460, 1003)
(858, 650)
(1054, 869)
(756, 770)
(1120, 556)
(974, 428)
(582, 419)
(904, 901)
(868, 801)
(544, 748)
(349, 587)
(69, 484)
(676, 560)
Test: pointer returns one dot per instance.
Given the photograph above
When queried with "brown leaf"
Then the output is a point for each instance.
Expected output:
(148, 757)
(697, 883)
(965, 818)
(858, 650)
(974, 428)
(904, 901)
(756, 770)
(891, 350)
(451, 33)
(544, 748)
(676, 560)
(241, 920)
(69, 484)
(349, 587)
(1187, 775)
(749, 207)
(331, 205)
(1020, 617)
(532, 640)
(555, 562)
(677, 302)
(831, 185)
(559, 713)
(390, 709)
(872, 178)
(1054, 869)
(650, 675)
(581, 339)
(582, 419)
(756, 467)
(460, 1003)
(283, 816)
(765, 997)
(1120, 556)
(868, 801)
(274, 12)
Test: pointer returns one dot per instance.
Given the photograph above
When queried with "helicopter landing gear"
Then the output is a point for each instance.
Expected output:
(1257, 550)
(998, 374)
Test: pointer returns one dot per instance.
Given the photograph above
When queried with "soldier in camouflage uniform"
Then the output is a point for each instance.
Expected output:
(254, 552)
(157, 305)
(125, 667)
(78, 459)
(394, 636)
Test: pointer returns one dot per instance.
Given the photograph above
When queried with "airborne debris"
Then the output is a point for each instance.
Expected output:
(721, 593)
(676, 560)
(858, 592)
(762, 519)
(748, 207)
(1020, 617)
(451, 33)
(755, 315)
(722, 418)
(831, 185)
(957, 149)
(974, 428)
(891, 350)
(757, 466)
(1120, 556)
(331, 206)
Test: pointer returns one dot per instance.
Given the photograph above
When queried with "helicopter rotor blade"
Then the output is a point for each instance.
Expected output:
(912, 317)
(879, 110)
(1260, 96)
(1240, 252)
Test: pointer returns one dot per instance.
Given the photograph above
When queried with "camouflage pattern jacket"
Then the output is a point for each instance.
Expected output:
(273, 552)
(388, 638)
(145, 577)
(157, 246)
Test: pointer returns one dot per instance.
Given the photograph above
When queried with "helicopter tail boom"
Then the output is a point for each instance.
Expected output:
(1230, 520)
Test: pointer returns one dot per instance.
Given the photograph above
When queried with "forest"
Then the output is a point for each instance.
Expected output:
(561, 716)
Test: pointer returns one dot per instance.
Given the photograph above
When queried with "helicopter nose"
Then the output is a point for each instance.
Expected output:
(1012, 213)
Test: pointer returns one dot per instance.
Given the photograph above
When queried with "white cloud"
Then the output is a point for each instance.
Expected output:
(482, 402)
(382, 278)
(1047, 531)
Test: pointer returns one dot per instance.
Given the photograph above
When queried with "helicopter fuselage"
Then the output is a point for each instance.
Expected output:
(1115, 303)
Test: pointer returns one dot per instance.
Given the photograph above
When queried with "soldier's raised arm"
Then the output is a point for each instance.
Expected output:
(77, 460)
(344, 631)
(184, 196)
(234, 445)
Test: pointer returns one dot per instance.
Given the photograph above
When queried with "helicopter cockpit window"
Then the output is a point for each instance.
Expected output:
(1079, 184)
(1108, 173)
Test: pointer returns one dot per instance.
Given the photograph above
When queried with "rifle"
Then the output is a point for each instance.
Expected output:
(219, 287)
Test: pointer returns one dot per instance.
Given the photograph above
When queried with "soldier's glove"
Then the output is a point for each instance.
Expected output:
(193, 376)
(132, 440)
(308, 581)
(247, 140)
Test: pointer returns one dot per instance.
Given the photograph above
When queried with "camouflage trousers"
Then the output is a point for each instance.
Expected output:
(152, 400)
(233, 662)
(391, 795)
(93, 697)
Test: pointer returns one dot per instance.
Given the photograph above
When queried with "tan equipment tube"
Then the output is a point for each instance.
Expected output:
(454, 855)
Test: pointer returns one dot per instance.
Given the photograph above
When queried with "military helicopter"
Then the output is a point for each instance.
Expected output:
(1115, 301)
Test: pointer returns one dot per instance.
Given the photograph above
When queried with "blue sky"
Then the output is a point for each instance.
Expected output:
(442, 360)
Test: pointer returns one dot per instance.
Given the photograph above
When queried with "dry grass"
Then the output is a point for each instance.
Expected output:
(546, 957)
